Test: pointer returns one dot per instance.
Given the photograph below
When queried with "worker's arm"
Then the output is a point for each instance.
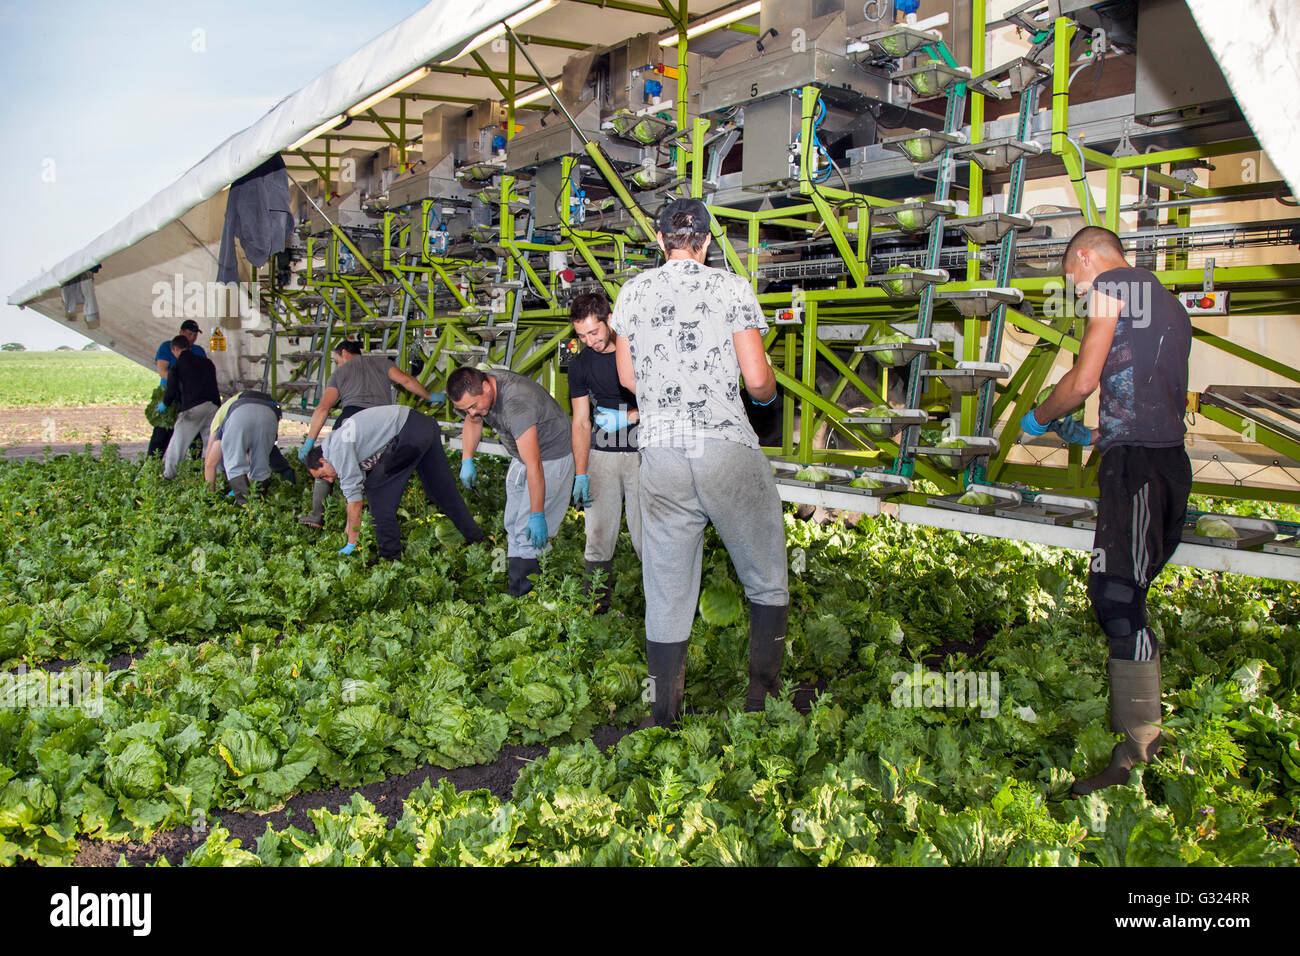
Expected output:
(581, 432)
(318, 417)
(626, 370)
(210, 462)
(164, 367)
(353, 527)
(408, 382)
(530, 453)
(1082, 380)
(760, 380)
(469, 436)
(173, 390)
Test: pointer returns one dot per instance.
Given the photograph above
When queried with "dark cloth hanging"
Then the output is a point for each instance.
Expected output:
(257, 211)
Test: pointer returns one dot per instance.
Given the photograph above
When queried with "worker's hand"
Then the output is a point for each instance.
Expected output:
(307, 444)
(161, 408)
(1029, 425)
(582, 492)
(468, 473)
(537, 533)
(1074, 433)
(437, 398)
(347, 548)
(609, 419)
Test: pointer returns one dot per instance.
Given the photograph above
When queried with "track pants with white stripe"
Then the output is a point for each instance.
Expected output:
(1139, 523)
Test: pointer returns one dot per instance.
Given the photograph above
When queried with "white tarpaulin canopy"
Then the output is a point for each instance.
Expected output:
(436, 30)
(1257, 44)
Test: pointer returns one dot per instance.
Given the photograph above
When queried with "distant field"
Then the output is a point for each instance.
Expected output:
(72, 379)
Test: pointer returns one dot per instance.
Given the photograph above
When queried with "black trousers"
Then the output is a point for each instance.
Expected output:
(1139, 525)
(418, 449)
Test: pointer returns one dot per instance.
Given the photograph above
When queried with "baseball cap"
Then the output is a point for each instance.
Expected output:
(189, 325)
(699, 213)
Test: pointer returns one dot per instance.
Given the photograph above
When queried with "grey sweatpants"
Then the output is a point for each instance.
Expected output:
(558, 473)
(722, 482)
(615, 481)
(191, 422)
(247, 437)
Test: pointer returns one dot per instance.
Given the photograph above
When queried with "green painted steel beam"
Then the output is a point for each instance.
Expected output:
(1247, 144)
(1251, 356)
(1244, 426)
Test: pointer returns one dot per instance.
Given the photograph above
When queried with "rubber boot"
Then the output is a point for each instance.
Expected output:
(604, 593)
(262, 488)
(319, 492)
(1135, 713)
(239, 485)
(667, 666)
(766, 650)
(518, 570)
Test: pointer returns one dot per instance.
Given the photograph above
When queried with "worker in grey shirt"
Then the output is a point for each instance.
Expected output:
(536, 433)
(372, 458)
(360, 381)
(687, 333)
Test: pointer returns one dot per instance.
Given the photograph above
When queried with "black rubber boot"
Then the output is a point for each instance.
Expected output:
(667, 666)
(1135, 713)
(319, 492)
(239, 485)
(518, 570)
(605, 592)
(262, 488)
(766, 650)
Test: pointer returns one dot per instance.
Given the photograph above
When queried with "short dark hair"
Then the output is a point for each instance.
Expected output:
(588, 304)
(189, 325)
(1091, 237)
(181, 342)
(348, 345)
(465, 380)
(314, 458)
(690, 241)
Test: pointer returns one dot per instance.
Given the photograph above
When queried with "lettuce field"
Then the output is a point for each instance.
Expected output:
(228, 660)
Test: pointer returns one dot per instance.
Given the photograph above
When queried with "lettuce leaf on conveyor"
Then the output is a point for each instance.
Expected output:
(1211, 527)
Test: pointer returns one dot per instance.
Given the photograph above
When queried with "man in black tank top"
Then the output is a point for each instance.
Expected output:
(1136, 349)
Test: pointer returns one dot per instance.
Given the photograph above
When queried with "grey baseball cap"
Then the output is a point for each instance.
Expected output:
(696, 210)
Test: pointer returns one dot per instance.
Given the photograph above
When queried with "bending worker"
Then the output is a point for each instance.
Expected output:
(604, 441)
(360, 381)
(372, 457)
(243, 439)
(536, 433)
(1136, 347)
(687, 333)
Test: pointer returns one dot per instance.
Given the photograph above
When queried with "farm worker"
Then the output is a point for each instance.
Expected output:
(164, 359)
(243, 438)
(1136, 347)
(192, 382)
(372, 457)
(686, 335)
(536, 433)
(604, 441)
(360, 381)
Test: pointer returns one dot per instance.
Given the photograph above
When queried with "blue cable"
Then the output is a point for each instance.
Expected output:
(817, 143)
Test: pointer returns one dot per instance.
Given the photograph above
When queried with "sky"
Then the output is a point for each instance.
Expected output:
(107, 103)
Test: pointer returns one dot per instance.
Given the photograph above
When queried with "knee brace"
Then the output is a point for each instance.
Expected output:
(1120, 606)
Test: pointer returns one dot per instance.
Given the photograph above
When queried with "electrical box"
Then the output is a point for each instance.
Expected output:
(1204, 303)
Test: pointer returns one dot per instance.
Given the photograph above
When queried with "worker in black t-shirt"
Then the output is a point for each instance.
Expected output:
(192, 383)
(1136, 348)
(604, 441)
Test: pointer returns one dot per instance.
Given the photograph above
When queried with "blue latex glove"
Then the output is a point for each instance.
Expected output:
(766, 403)
(582, 492)
(468, 473)
(162, 382)
(230, 494)
(1029, 425)
(537, 533)
(437, 398)
(307, 444)
(161, 407)
(347, 548)
(1075, 433)
(610, 420)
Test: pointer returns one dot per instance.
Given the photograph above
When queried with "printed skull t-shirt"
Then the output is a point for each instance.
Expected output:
(678, 321)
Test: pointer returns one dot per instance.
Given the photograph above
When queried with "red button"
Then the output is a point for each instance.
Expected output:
(1207, 302)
